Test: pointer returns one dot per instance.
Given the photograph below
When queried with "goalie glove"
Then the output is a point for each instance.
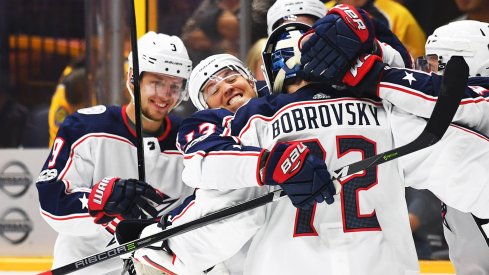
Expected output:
(334, 42)
(123, 198)
(302, 176)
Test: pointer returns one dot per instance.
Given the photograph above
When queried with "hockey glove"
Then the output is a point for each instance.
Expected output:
(124, 198)
(334, 42)
(303, 177)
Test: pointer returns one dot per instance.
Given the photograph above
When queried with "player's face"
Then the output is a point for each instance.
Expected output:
(159, 94)
(228, 89)
(429, 63)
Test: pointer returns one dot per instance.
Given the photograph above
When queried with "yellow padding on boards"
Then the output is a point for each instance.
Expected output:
(25, 263)
(44, 263)
(436, 267)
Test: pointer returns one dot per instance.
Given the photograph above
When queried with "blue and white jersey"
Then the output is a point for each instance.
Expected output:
(366, 229)
(416, 92)
(92, 144)
(207, 146)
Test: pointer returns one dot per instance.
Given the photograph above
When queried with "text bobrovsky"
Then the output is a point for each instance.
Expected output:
(325, 115)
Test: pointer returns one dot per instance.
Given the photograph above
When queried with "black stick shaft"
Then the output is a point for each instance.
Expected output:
(137, 92)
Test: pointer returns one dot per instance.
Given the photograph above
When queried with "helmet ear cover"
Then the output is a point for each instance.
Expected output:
(281, 55)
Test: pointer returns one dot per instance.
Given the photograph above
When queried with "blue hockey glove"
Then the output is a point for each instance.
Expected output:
(303, 177)
(124, 198)
(334, 43)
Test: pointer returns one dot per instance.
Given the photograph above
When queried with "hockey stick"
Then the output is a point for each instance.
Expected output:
(453, 86)
(137, 92)
(128, 264)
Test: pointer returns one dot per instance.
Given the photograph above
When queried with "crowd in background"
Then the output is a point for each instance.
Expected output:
(212, 26)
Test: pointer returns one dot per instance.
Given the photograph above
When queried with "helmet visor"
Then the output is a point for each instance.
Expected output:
(430, 63)
(168, 86)
(228, 74)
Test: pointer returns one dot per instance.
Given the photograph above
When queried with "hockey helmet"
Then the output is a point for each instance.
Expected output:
(205, 72)
(281, 55)
(288, 9)
(467, 38)
(164, 54)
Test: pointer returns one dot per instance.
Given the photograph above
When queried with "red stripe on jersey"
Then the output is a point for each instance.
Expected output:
(406, 90)
(68, 217)
(425, 96)
(223, 153)
(183, 212)
(470, 132)
(84, 138)
(168, 125)
(157, 266)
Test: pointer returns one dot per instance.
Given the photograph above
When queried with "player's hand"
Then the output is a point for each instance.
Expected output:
(123, 198)
(303, 177)
(334, 43)
(360, 68)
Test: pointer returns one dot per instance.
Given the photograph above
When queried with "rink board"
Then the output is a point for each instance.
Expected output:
(44, 263)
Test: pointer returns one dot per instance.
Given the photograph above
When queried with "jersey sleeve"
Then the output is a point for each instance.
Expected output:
(205, 247)
(64, 183)
(454, 168)
(208, 148)
(390, 56)
(416, 92)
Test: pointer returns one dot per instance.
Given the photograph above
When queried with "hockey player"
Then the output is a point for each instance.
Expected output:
(208, 126)
(75, 198)
(466, 230)
(466, 234)
(303, 237)
(414, 92)
(260, 121)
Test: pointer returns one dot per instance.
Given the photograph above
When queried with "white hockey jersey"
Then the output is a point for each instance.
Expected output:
(91, 144)
(366, 230)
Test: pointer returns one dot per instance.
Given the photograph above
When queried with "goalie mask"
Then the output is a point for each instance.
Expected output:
(281, 55)
(210, 72)
(290, 9)
(467, 38)
(164, 54)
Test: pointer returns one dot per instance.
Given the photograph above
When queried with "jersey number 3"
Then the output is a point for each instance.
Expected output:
(353, 220)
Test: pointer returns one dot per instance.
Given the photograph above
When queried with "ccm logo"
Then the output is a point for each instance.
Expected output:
(291, 164)
(353, 18)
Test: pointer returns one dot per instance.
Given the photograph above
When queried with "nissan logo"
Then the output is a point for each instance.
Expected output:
(15, 226)
(15, 179)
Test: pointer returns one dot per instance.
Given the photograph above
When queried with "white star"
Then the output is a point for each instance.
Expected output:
(409, 77)
(84, 201)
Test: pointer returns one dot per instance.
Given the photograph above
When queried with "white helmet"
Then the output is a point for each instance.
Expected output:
(163, 54)
(206, 69)
(282, 9)
(467, 38)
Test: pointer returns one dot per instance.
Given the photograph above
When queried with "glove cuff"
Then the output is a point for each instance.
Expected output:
(101, 193)
(360, 69)
(369, 85)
